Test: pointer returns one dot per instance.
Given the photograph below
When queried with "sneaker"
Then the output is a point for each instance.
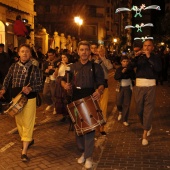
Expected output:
(88, 163)
(103, 133)
(126, 123)
(54, 112)
(149, 131)
(119, 117)
(24, 158)
(81, 159)
(48, 108)
(144, 142)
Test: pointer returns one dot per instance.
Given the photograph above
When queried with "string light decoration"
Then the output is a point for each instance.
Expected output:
(139, 27)
(138, 10)
(143, 38)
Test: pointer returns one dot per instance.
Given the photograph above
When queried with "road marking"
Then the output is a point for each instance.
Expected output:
(45, 120)
(7, 146)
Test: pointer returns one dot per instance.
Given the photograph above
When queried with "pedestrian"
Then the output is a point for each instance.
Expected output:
(106, 66)
(60, 95)
(50, 81)
(148, 65)
(124, 89)
(83, 85)
(17, 74)
(20, 30)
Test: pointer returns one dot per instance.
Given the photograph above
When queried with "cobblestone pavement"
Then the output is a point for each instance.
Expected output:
(55, 147)
(123, 149)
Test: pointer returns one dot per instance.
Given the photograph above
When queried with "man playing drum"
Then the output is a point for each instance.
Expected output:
(85, 79)
(17, 74)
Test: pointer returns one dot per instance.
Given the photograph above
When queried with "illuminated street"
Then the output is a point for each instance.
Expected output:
(55, 147)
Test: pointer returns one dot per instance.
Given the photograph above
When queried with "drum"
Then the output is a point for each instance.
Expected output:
(85, 114)
(17, 105)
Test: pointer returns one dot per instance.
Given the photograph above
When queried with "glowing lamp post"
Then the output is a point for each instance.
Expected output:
(115, 40)
(79, 22)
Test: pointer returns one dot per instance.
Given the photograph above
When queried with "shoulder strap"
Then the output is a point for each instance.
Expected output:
(28, 76)
(94, 76)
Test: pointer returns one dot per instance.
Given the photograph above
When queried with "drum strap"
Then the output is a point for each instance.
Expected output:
(28, 76)
(94, 76)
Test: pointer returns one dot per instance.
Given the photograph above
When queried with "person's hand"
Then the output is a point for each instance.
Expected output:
(26, 89)
(47, 71)
(147, 53)
(2, 92)
(138, 53)
(67, 86)
(124, 70)
(101, 54)
(96, 95)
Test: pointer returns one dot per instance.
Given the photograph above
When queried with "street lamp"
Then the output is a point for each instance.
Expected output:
(79, 22)
(115, 40)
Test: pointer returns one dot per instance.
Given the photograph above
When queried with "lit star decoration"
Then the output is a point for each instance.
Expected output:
(138, 10)
(143, 38)
(139, 27)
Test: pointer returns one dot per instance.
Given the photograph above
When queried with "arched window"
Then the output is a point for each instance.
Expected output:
(2, 32)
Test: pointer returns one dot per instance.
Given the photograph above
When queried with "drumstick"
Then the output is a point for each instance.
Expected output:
(25, 86)
(19, 93)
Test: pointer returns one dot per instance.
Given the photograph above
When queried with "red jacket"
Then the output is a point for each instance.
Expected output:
(20, 29)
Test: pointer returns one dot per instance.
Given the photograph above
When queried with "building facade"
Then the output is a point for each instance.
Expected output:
(100, 23)
(59, 16)
(9, 9)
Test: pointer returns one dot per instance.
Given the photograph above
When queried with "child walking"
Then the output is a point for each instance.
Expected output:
(124, 89)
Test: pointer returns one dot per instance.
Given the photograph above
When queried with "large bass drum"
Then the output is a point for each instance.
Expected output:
(85, 114)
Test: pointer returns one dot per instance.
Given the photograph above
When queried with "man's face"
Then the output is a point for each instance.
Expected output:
(84, 53)
(51, 56)
(93, 48)
(25, 54)
(124, 62)
(148, 46)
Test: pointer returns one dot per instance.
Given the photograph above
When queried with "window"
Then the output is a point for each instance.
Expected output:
(47, 8)
(92, 11)
(90, 30)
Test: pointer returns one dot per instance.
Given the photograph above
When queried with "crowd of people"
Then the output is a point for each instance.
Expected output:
(87, 76)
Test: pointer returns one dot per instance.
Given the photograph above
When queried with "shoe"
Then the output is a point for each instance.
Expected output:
(81, 159)
(119, 117)
(126, 123)
(88, 164)
(144, 142)
(149, 131)
(63, 119)
(54, 112)
(48, 108)
(24, 158)
(103, 133)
